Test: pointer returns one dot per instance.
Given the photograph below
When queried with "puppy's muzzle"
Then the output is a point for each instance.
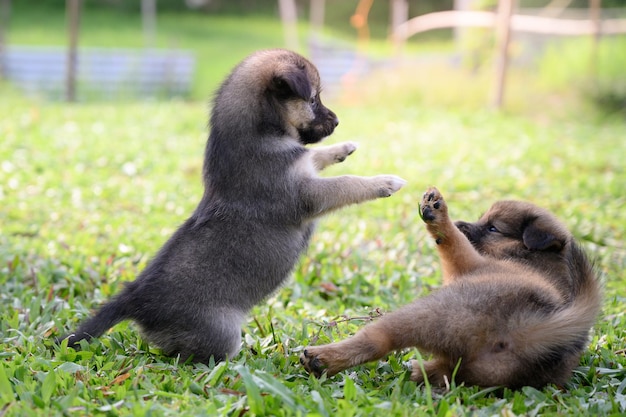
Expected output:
(468, 229)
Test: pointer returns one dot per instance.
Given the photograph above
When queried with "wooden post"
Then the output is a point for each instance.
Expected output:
(399, 15)
(317, 12)
(148, 20)
(5, 12)
(595, 7)
(73, 26)
(503, 35)
(289, 16)
(359, 22)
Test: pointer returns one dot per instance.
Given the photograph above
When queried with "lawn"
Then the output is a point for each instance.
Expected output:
(89, 192)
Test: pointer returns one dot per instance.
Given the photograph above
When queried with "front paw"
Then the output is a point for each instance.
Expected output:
(312, 362)
(388, 184)
(344, 150)
(433, 208)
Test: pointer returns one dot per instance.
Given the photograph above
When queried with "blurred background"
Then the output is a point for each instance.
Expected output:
(469, 53)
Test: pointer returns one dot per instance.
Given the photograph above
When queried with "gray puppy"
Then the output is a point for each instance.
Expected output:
(261, 199)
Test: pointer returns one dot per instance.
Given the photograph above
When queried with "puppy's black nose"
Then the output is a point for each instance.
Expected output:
(466, 228)
(462, 226)
(332, 117)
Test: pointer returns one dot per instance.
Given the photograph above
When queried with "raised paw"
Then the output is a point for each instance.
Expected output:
(344, 150)
(433, 208)
(324, 156)
(388, 184)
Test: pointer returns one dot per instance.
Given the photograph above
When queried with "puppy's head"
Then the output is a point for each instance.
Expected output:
(515, 229)
(275, 92)
(295, 87)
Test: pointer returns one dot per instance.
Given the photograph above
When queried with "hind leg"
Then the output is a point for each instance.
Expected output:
(431, 324)
(201, 347)
(217, 335)
(457, 254)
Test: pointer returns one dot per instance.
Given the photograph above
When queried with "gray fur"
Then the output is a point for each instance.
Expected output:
(261, 199)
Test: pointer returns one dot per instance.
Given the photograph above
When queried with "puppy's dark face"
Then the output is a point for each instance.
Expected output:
(273, 93)
(516, 229)
(296, 88)
(312, 119)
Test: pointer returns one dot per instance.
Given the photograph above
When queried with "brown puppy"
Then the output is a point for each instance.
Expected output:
(518, 301)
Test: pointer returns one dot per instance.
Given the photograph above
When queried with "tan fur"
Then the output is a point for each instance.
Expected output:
(518, 301)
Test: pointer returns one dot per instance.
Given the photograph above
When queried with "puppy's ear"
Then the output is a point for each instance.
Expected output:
(293, 82)
(537, 236)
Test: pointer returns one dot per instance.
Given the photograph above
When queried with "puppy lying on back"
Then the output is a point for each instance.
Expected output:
(261, 199)
(518, 301)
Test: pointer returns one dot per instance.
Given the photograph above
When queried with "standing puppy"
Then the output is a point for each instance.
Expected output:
(518, 301)
(261, 199)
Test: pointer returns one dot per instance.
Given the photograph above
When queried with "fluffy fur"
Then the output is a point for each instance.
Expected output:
(518, 300)
(261, 199)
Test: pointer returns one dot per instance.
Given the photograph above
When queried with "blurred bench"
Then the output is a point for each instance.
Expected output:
(101, 72)
(335, 60)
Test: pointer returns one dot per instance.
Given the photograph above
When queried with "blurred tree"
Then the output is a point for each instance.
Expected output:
(73, 25)
(5, 12)
(148, 19)
(416, 7)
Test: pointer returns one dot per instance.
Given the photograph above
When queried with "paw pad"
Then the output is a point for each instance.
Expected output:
(432, 205)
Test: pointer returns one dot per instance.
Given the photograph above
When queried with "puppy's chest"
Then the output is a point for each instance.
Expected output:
(303, 167)
(282, 177)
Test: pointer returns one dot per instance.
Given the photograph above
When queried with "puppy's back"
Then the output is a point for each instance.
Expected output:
(552, 344)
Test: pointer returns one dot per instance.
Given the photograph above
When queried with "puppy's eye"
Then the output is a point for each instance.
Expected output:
(493, 229)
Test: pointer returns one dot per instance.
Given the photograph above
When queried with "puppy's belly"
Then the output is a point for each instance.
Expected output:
(253, 262)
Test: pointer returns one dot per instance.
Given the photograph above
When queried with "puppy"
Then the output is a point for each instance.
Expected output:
(518, 301)
(261, 199)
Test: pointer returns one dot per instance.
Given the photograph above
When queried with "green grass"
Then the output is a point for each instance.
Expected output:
(89, 192)
(597, 73)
